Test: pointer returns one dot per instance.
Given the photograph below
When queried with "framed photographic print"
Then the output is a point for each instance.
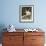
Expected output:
(26, 13)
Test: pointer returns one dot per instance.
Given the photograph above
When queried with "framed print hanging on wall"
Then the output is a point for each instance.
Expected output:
(26, 13)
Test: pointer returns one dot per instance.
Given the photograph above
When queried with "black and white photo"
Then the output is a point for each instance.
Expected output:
(26, 13)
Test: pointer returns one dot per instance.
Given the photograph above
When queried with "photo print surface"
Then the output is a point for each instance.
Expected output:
(26, 13)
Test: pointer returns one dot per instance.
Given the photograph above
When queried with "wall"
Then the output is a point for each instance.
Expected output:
(9, 13)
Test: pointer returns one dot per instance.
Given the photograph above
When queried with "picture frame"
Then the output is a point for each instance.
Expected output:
(26, 13)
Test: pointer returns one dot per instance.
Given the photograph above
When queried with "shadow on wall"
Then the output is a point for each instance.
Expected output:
(2, 26)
